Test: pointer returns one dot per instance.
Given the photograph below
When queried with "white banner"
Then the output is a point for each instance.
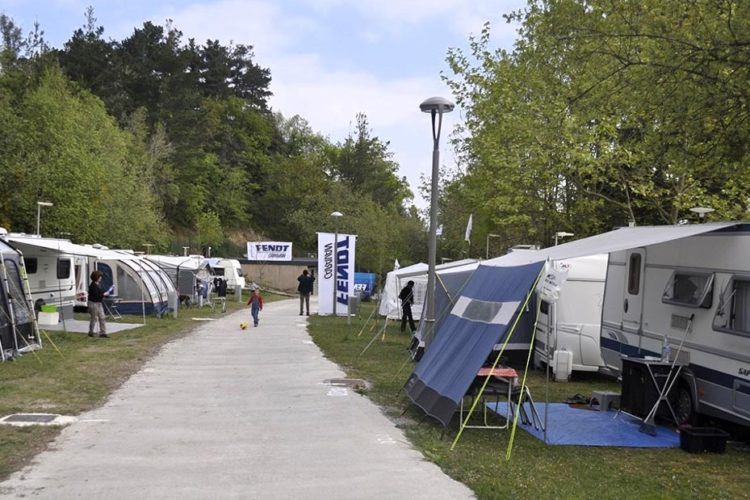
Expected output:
(269, 250)
(329, 279)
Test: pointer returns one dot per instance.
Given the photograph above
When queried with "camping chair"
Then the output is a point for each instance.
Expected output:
(110, 308)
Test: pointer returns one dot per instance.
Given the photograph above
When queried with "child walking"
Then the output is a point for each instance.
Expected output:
(256, 305)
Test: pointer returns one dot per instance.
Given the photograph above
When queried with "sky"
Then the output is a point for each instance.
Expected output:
(329, 59)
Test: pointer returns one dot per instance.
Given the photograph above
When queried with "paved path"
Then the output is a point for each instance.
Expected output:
(226, 413)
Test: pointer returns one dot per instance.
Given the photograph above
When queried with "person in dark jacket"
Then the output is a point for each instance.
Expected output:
(305, 289)
(96, 306)
(407, 299)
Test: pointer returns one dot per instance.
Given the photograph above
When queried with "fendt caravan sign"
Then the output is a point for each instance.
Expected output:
(269, 250)
(335, 271)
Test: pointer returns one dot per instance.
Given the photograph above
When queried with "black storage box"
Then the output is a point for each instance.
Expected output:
(700, 439)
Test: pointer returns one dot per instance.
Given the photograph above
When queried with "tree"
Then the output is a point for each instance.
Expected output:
(607, 112)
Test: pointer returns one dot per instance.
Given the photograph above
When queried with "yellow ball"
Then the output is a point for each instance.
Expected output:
(243, 325)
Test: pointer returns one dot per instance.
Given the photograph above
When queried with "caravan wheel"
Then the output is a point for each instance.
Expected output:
(682, 404)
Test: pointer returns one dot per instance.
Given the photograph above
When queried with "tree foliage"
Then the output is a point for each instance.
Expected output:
(152, 138)
(607, 112)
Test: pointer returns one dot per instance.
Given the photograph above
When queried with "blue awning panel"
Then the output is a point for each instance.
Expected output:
(479, 320)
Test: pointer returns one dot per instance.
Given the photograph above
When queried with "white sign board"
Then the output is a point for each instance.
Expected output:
(335, 280)
(269, 250)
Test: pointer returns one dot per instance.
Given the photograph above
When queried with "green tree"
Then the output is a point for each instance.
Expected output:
(607, 112)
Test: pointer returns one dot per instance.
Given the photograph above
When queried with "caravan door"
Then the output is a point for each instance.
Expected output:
(632, 307)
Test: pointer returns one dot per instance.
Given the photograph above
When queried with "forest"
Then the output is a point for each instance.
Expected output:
(157, 140)
(604, 113)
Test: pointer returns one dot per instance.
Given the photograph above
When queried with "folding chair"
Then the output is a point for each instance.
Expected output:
(110, 309)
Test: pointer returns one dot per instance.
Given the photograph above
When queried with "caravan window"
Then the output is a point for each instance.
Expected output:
(31, 264)
(63, 269)
(689, 289)
(733, 312)
(634, 274)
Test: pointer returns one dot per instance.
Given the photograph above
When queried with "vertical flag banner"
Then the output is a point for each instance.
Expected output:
(340, 279)
(467, 236)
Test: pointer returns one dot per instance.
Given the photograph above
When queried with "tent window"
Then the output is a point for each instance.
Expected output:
(21, 311)
(63, 268)
(480, 310)
(733, 312)
(31, 265)
(689, 289)
(634, 274)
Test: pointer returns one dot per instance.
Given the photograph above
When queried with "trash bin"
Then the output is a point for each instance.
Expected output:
(354, 301)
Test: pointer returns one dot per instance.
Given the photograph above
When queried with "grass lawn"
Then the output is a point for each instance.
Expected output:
(535, 470)
(80, 376)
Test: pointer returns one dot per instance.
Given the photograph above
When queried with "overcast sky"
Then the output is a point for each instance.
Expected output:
(329, 59)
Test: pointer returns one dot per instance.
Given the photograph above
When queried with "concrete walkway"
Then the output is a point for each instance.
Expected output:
(227, 413)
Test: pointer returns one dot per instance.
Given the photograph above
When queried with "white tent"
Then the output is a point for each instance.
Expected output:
(390, 305)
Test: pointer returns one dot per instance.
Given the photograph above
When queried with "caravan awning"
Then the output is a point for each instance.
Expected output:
(55, 245)
(480, 319)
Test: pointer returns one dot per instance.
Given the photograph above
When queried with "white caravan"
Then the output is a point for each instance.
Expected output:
(695, 288)
(50, 268)
(231, 270)
(569, 328)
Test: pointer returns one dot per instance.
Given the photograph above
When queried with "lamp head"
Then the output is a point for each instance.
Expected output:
(44, 203)
(701, 211)
(563, 234)
(336, 214)
(439, 104)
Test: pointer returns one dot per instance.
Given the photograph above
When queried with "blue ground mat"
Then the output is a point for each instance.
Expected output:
(577, 426)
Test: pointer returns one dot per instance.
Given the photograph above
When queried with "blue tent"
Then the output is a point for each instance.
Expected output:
(480, 319)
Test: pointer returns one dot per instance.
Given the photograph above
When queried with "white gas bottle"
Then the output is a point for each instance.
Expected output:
(562, 365)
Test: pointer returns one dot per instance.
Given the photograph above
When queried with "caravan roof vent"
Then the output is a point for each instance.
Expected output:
(3, 231)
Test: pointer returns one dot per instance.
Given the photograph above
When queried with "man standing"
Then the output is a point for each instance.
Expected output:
(96, 307)
(407, 299)
(305, 288)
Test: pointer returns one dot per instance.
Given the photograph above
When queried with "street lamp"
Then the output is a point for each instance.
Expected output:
(336, 215)
(562, 234)
(701, 211)
(487, 254)
(436, 106)
(39, 205)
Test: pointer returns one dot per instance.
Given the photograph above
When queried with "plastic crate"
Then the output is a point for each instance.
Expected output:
(703, 439)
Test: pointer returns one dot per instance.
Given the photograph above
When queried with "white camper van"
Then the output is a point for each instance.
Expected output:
(231, 270)
(50, 270)
(695, 289)
(569, 329)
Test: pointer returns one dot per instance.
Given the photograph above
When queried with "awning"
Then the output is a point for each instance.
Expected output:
(479, 320)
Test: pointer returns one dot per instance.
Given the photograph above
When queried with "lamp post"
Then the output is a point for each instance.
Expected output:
(702, 211)
(487, 253)
(39, 205)
(562, 234)
(148, 247)
(436, 106)
(335, 216)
